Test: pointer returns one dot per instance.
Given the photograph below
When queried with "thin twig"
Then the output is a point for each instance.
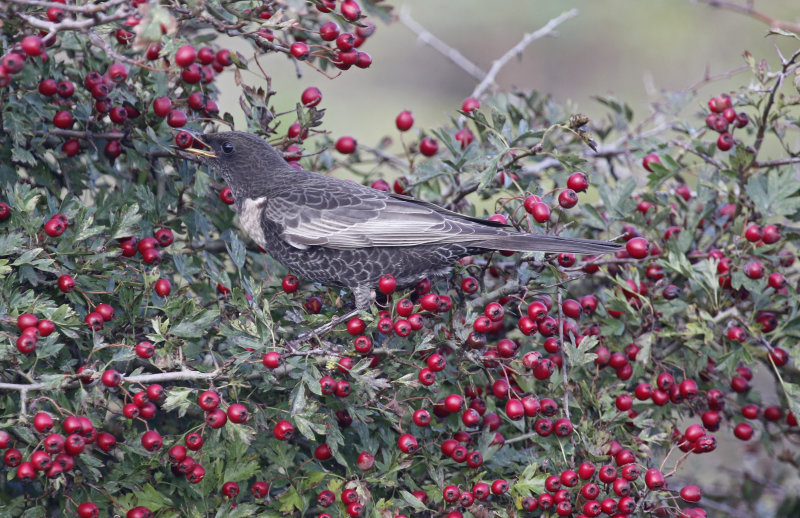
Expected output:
(443, 48)
(748, 10)
(517, 49)
(763, 123)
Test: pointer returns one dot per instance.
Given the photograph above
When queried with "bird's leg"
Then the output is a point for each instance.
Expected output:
(364, 297)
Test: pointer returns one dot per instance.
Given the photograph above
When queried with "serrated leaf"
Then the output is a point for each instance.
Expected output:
(177, 398)
(149, 497)
(298, 399)
(195, 328)
(127, 224)
(412, 500)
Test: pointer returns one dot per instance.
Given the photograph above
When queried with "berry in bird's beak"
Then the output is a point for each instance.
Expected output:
(206, 153)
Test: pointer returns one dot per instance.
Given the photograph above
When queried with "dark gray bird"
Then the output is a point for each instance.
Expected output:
(344, 234)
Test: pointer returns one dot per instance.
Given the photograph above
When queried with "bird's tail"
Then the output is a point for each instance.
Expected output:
(520, 242)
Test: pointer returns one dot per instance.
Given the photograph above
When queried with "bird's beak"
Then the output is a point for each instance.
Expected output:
(201, 152)
(198, 139)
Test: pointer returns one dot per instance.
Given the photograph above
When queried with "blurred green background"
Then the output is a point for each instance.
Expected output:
(631, 49)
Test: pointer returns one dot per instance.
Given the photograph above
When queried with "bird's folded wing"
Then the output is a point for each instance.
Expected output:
(344, 215)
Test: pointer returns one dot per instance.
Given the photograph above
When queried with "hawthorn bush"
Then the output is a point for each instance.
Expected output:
(150, 353)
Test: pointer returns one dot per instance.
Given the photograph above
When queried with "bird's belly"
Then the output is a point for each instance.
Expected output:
(364, 266)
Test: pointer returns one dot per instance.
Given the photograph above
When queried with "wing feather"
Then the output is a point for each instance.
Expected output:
(319, 210)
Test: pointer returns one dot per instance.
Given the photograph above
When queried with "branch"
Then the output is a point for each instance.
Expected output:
(517, 49)
(748, 10)
(88, 135)
(75, 25)
(82, 9)
(762, 126)
(507, 289)
(443, 48)
(68, 380)
(777, 162)
(710, 160)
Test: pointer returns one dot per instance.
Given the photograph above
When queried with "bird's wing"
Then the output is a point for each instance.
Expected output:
(319, 210)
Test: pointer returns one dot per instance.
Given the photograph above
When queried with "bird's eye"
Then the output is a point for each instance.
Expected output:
(227, 147)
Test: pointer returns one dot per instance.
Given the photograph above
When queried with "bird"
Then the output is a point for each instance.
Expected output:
(341, 233)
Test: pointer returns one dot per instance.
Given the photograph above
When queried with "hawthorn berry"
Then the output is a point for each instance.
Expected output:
(404, 120)
(652, 158)
(428, 146)
(346, 145)
(151, 440)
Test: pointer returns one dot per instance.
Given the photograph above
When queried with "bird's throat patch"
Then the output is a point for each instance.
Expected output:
(250, 219)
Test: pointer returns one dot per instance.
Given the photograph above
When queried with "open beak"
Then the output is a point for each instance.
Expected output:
(201, 152)
(198, 140)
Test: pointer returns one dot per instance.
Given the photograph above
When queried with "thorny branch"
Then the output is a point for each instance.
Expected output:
(517, 49)
(749, 10)
(443, 48)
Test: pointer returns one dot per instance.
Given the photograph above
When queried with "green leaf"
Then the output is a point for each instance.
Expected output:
(298, 399)
(774, 193)
(148, 496)
(195, 328)
(127, 224)
(178, 397)
(236, 250)
(412, 500)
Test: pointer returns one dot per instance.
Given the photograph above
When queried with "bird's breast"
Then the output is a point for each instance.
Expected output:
(250, 219)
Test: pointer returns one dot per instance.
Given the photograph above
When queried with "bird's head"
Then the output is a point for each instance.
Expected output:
(244, 160)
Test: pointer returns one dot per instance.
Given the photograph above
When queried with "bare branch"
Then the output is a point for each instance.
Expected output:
(749, 10)
(75, 25)
(83, 9)
(517, 49)
(443, 48)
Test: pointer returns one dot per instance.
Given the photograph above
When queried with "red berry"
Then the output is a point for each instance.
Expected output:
(48, 87)
(465, 137)
(725, 141)
(299, 50)
(185, 56)
(283, 430)
(346, 145)
(63, 120)
(387, 284)
(226, 196)
(329, 31)
(578, 182)
(638, 247)
(118, 72)
(469, 104)
(350, 10)
(567, 198)
(404, 120)
(13, 62)
(743, 431)
(88, 510)
(32, 45)
(428, 146)
(162, 106)
(176, 118)
(54, 14)
(754, 270)
(151, 440)
(145, 349)
(272, 360)
(772, 234)
(652, 158)
(311, 96)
